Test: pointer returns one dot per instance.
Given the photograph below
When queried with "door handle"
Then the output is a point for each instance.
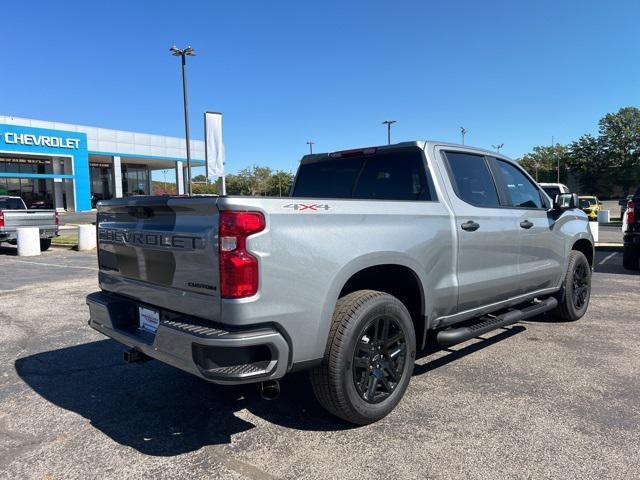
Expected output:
(470, 226)
(526, 224)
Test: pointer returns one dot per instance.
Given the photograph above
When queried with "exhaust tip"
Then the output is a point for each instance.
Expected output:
(269, 390)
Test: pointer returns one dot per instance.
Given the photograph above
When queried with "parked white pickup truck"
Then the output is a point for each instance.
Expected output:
(14, 214)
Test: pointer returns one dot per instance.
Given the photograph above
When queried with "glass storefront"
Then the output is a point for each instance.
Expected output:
(36, 192)
(101, 182)
(135, 180)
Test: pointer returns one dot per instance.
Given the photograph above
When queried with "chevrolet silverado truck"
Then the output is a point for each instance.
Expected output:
(375, 249)
(631, 233)
(14, 214)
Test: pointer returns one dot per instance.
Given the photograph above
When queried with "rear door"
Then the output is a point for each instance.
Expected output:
(541, 245)
(161, 251)
(487, 234)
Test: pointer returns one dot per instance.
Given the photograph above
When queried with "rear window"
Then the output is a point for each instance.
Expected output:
(587, 202)
(397, 175)
(552, 191)
(330, 178)
(11, 204)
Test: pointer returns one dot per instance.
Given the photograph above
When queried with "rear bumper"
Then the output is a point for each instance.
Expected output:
(631, 239)
(12, 234)
(204, 349)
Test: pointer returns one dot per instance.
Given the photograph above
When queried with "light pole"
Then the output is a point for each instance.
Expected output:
(553, 154)
(463, 132)
(310, 143)
(388, 123)
(498, 147)
(184, 53)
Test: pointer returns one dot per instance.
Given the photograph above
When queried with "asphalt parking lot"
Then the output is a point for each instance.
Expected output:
(540, 399)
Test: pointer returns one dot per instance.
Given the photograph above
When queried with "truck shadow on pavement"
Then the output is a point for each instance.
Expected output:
(162, 411)
(8, 250)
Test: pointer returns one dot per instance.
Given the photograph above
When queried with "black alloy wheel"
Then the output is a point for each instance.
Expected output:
(580, 285)
(378, 359)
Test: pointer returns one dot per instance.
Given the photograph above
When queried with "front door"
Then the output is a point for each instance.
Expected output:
(541, 252)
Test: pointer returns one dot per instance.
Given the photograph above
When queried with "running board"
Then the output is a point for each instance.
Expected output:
(451, 336)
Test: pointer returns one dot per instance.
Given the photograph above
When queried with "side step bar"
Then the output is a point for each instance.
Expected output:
(451, 336)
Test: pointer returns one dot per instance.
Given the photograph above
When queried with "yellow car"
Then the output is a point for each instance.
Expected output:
(591, 206)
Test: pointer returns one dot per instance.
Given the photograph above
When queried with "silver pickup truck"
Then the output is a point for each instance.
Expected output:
(374, 249)
(14, 214)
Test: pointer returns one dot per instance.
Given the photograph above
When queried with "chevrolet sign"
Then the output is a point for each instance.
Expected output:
(13, 138)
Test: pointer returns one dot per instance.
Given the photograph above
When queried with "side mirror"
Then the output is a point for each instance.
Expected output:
(566, 201)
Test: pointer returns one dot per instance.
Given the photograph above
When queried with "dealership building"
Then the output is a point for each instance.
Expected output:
(70, 167)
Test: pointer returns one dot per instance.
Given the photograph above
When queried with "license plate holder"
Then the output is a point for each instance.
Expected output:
(148, 319)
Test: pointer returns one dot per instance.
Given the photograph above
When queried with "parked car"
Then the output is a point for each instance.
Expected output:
(623, 205)
(631, 233)
(553, 189)
(14, 214)
(375, 248)
(591, 206)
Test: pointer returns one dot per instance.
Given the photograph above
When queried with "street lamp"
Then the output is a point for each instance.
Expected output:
(388, 123)
(310, 143)
(463, 132)
(498, 147)
(184, 53)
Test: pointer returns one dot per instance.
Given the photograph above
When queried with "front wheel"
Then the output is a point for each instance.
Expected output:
(45, 243)
(369, 358)
(576, 291)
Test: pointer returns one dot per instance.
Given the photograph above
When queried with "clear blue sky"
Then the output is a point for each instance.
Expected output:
(511, 72)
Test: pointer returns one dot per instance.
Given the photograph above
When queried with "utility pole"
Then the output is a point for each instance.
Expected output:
(463, 132)
(388, 123)
(498, 147)
(311, 143)
(184, 53)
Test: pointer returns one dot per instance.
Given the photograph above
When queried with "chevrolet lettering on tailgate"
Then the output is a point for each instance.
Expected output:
(150, 239)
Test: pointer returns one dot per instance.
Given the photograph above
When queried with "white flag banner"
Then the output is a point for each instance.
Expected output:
(214, 149)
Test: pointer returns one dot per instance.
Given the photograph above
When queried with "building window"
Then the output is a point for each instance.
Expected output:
(135, 180)
(101, 182)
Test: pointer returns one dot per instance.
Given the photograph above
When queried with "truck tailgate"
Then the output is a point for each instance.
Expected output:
(161, 251)
(29, 218)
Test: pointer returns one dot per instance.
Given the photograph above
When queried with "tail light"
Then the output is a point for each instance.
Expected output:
(56, 219)
(1, 218)
(238, 268)
(631, 213)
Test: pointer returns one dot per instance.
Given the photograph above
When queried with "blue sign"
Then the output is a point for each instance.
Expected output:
(43, 141)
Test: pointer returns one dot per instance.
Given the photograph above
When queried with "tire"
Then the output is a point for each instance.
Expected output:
(45, 243)
(342, 383)
(631, 258)
(576, 289)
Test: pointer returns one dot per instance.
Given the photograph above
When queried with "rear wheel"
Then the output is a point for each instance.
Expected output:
(369, 359)
(630, 258)
(45, 243)
(574, 300)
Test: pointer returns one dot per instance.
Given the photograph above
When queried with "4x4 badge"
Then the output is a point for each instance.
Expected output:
(314, 207)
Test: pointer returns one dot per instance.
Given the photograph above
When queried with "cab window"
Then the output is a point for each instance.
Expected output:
(518, 189)
(472, 179)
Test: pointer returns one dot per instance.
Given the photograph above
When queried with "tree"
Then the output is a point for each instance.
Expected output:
(600, 163)
(620, 140)
(542, 162)
(587, 164)
(280, 184)
(200, 178)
